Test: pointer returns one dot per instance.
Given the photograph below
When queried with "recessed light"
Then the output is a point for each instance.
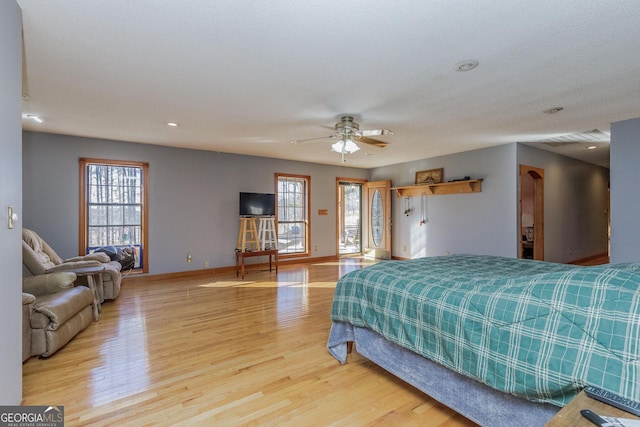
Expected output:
(173, 124)
(553, 110)
(466, 65)
(34, 117)
(592, 147)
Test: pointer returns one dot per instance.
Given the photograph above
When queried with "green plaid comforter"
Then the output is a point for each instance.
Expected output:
(537, 330)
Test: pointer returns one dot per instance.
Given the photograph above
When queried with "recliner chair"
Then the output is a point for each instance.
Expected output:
(39, 258)
(58, 311)
(27, 305)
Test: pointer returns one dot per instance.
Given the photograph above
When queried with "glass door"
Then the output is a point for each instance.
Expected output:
(377, 219)
(349, 217)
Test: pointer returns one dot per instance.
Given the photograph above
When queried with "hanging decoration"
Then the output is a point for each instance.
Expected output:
(423, 210)
(407, 206)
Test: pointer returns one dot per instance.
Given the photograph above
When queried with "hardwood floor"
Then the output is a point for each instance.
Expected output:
(594, 260)
(224, 352)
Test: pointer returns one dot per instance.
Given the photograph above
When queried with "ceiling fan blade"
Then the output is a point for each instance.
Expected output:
(371, 141)
(375, 132)
(296, 141)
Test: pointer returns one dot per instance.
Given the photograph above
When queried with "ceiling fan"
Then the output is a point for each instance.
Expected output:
(349, 133)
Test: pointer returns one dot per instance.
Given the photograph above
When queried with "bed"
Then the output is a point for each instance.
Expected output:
(495, 339)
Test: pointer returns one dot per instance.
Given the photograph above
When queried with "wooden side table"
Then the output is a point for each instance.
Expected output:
(94, 279)
(569, 416)
(241, 255)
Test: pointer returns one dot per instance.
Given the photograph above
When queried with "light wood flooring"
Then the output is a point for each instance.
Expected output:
(223, 352)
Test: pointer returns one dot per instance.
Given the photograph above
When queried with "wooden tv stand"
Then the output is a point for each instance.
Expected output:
(241, 255)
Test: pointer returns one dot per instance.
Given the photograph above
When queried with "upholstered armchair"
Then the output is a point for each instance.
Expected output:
(27, 304)
(58, 311)
(39, 258)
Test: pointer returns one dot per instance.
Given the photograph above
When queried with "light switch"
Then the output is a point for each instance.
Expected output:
(11, 217)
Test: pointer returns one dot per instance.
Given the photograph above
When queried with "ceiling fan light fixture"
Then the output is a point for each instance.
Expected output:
(345, 146)
(337, 146)
(350, 146)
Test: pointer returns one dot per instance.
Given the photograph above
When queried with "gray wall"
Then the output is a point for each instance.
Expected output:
(575, 205)
(10, 195)
(625, 200)
(479, 223)
(193, 200)
(487, 222)
(193, 196)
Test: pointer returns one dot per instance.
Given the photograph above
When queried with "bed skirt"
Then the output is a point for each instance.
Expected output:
(474, 400)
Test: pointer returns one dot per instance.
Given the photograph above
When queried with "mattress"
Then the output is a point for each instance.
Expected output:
(540, 331)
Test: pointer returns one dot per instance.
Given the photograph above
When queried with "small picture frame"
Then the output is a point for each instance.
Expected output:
(431, 176)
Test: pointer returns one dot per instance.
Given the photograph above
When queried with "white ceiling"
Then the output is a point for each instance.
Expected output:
(249, 76)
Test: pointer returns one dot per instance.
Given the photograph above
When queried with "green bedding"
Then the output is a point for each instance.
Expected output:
(538, 330)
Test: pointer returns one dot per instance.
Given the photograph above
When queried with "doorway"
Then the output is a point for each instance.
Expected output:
(349, 216)
(531, 221)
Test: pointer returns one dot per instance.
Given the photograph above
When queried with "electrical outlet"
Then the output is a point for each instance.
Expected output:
(189, 259)
(404, 248)
(206, 264)
(315, 248)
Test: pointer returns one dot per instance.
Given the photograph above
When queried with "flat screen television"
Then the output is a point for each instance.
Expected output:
(257, 204)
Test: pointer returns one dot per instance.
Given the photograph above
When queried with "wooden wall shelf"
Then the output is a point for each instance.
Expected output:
(456, 187)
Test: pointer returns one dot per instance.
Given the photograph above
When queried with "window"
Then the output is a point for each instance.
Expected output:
(113, 201)
(293, 195)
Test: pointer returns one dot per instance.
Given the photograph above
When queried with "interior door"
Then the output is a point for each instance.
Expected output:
(376, 220)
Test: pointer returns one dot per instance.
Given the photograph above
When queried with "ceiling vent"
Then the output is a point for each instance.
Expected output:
(594, 135)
